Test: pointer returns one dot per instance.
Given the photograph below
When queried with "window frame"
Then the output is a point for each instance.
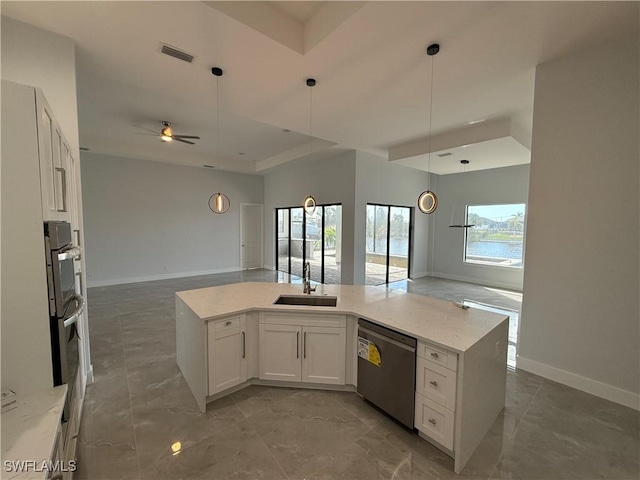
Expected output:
(478, 263)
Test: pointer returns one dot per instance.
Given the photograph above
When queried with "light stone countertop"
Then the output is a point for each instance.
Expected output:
(29, 431)
(425, 318)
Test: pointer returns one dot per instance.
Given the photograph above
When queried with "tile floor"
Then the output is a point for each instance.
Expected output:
(139, 407)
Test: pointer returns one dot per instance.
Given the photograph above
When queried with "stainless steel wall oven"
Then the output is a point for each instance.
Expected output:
(65, 305)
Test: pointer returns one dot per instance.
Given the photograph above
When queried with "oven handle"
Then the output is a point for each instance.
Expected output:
(73, 252)
(73, 318)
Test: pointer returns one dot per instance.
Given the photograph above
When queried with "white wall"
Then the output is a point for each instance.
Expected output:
(47, 60)
(148, 220)
(379, 181)
(580, 316)
(498, 185)
(352, 179)
(329, 180)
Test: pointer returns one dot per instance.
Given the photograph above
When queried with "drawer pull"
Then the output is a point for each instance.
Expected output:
(434, 383)
(432, 421)
(227, 323)
(434, 355)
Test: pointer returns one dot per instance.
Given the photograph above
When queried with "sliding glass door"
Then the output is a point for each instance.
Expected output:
(316, 238)
(388, 236)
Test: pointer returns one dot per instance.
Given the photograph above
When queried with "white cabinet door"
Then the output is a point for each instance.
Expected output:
(226, 355)
(53, 153)
(323, 352)
(280, 353)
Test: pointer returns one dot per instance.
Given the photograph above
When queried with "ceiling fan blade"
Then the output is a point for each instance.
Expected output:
(147, 129)
(185, 136)
(183, 141)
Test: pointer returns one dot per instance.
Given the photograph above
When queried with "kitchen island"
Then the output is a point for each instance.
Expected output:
(232, 336)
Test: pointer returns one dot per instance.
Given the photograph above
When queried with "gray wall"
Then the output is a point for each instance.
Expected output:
(580, 311)
(329, 180)
(499, 185)
(149, 220)
(382, 182)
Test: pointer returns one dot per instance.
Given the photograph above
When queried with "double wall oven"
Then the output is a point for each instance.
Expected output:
(65, 305)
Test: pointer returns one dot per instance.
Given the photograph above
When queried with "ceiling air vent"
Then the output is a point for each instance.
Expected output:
(446, 154)
(175, 53)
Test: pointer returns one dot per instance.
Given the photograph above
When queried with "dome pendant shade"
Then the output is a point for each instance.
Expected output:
(219, 203)
(428, 202)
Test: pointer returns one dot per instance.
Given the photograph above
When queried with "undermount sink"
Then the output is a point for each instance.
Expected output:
(324, 301)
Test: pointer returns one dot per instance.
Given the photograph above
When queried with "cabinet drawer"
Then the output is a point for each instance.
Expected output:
(434, 421)
(436, 383)
(305, 319)
(438, 355)
(225, 327)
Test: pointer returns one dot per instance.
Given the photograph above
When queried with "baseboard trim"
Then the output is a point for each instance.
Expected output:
(588, 385)
(167, 276)
(479, 281)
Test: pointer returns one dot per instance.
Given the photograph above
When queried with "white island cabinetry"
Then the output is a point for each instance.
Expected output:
(307, 348)
(461, 354)
(226, 353)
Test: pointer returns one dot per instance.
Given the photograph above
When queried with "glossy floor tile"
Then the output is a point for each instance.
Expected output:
(140, 420)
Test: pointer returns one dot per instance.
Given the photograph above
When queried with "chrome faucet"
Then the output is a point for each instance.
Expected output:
(306, 280)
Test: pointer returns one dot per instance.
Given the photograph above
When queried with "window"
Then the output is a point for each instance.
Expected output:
(497, 237)
(315, 238)
(388, 233)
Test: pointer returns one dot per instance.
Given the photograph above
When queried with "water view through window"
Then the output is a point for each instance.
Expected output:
(497, 237)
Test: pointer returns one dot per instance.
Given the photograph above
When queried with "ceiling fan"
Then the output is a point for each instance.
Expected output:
(167, 135)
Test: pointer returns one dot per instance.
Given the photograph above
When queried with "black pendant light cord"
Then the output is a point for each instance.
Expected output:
(430, 125)
(311, 82)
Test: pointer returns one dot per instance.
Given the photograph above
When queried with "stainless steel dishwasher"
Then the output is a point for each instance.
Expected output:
(387, 370)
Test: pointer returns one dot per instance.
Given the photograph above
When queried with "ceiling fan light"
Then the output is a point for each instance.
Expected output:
(166, 133)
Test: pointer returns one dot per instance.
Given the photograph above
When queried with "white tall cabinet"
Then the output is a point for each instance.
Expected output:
(40, 181)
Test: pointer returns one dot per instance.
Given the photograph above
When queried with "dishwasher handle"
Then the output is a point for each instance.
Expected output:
(386, 339)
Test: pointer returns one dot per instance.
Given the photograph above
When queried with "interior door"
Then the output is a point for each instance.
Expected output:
(251, 235)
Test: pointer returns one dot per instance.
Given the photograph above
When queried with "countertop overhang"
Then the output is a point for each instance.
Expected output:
(425, 318)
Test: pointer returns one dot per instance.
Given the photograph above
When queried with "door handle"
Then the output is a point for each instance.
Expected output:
(63, 185)
(304, 345)
(297, 344)
(79, 275)
(244, 345)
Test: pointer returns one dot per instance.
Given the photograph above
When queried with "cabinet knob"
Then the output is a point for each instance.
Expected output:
(434, 383)
(434, 355)
(432, 421)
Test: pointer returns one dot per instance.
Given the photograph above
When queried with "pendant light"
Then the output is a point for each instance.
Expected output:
(309, 203)
(428, 200)
(218, 202)
(463, 169)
